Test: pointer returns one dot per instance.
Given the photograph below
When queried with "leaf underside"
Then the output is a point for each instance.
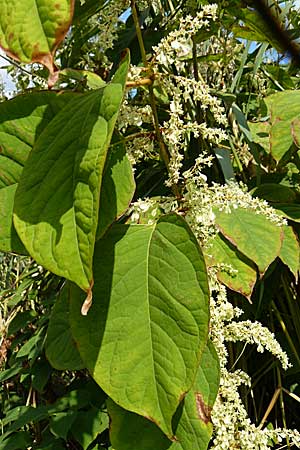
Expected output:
(31, 30)
(58, 196)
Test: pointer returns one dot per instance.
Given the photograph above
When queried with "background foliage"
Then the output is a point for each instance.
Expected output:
(210, 123)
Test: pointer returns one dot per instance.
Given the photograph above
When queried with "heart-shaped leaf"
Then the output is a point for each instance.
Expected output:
(148, 325)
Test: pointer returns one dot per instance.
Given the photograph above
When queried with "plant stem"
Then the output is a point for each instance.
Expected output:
(140, 82)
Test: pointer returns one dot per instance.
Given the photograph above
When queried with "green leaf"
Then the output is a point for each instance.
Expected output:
(86, 9)
(253, 234)
(290, 211)
(40, 374)
(260, 133)
(118, 185)
(151, 294)
(61, 423)
(17, 441)
(274, 192)
(87, 425)
(22, 120)
(284, 110)
(283, 127)
(9, 240)
(57, 200)
(243, 277)
(54, 444)
(129, 431)
(31, 30)
(11, 372)
(21, 320)
(290, 251)
(60, 346)
(24, 415)
(192, 423)
(223, 157)
(254, 28)
(194, 429)
(91, 79)
(73, 400)
(32, 346)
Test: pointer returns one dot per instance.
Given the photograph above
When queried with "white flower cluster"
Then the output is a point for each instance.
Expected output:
(255, 333)
(148, 210)
(141, 147)
(235, 195)
(135, 116)
(140, 144)
(221, 69)
(178, 128)
(135, 72)
(178, 43)
(176, 48)
(232, 425)
(234, 430)
(201, 198)
(107, 21)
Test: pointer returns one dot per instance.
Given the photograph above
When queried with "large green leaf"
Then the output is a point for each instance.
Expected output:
(61, 350)
(61, 422)
(192, 424)
(243, 277)
(118, 185)
(253, 234)
(148, 325)
(31, 30)
(22, 120)
(9, 240)
(58, 197)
